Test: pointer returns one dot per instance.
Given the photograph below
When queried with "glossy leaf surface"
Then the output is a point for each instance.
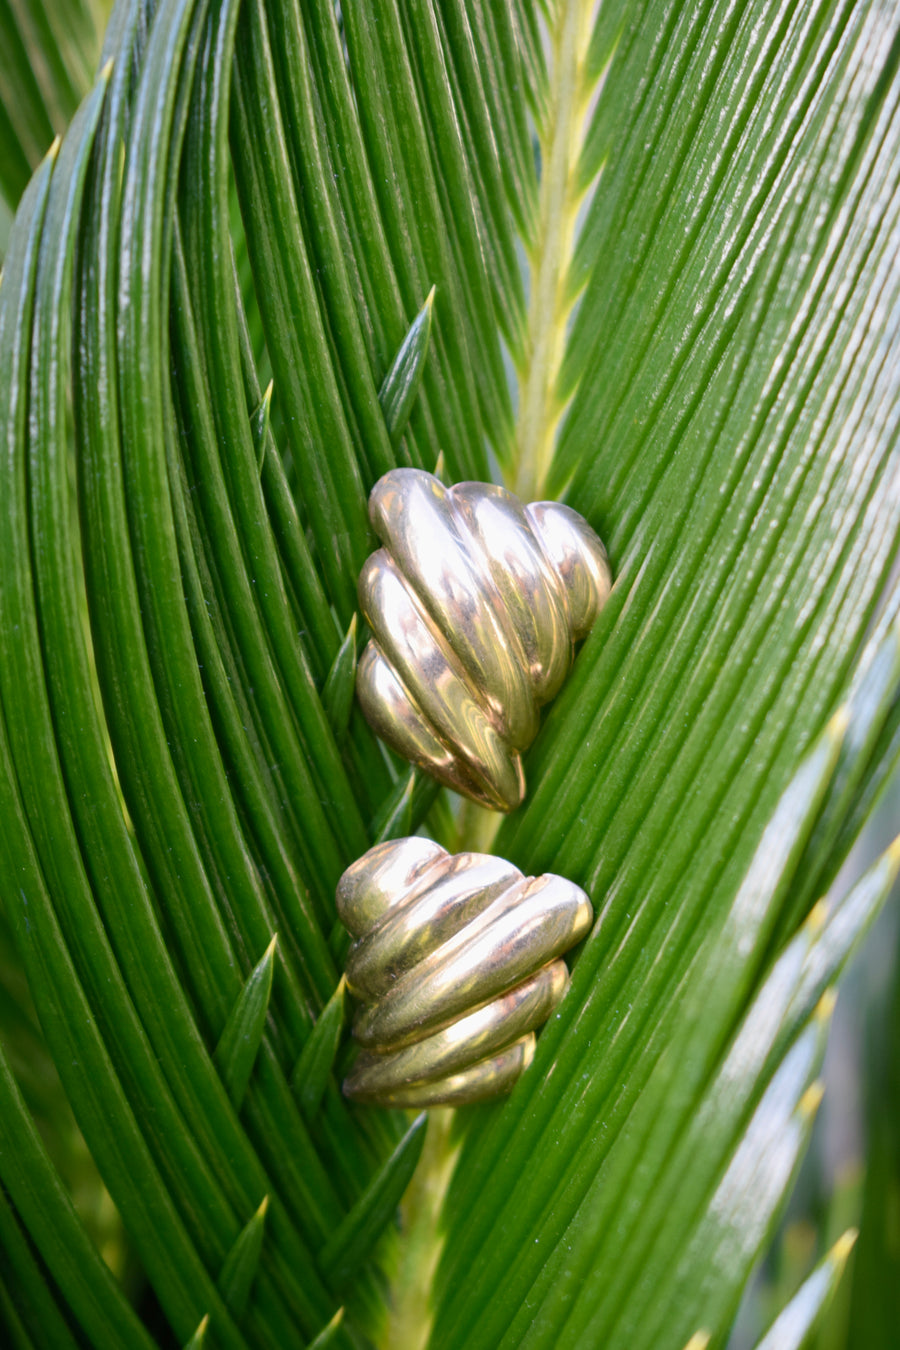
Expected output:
(662, 246)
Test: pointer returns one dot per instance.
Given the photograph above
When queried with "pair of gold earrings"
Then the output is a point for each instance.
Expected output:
(475, 603)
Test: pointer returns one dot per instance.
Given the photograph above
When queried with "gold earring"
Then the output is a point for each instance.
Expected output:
(455, 963)
(475, 603)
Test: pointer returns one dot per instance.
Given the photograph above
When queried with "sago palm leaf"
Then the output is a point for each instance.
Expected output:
(642, 255)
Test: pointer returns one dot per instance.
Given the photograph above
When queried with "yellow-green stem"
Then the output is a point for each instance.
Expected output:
(478, 826)
(539, 404)
(410, 1313)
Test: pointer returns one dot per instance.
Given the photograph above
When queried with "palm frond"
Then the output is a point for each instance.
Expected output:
(651, 252)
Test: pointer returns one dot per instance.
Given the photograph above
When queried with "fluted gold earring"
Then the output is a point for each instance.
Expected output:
(475, 603)
(455, 964)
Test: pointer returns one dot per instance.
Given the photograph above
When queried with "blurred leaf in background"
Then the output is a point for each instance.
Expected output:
(874, 1301)
(850, 1175)
(640, 255)
(48, 57)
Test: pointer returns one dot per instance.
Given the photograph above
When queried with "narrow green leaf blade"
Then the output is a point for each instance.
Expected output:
(259, 424)
(242, 1263)
(313, 1068)
(351, 1243)
(198, 1340)
(327, 1337)
(35, 1305)
(836, 926)
(871, 707)
(337, 695)
(402, 382)
(238, 1047)
(793, 1326)
(83, 1278)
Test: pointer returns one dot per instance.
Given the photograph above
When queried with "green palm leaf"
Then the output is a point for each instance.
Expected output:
(651, 251)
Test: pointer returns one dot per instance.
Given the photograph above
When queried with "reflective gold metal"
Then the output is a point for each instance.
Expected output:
(475, 603)
(455, 964)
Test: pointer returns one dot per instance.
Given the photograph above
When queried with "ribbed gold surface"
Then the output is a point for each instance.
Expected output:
(475, 603)
(455, 964)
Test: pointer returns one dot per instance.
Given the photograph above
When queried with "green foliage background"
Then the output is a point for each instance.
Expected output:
(663, 244)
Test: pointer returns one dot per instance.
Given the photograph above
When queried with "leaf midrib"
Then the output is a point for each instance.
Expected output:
(549, 261)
